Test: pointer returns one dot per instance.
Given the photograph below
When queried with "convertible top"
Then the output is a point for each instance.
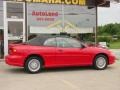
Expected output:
(39, 40)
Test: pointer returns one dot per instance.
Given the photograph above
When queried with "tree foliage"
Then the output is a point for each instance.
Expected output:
(109, 29)
(109, 32)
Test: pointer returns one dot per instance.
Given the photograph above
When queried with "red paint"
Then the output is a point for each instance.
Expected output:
(45, 13)
(55, 56)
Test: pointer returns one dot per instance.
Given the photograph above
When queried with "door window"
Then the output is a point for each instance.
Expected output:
(75, 43)
(50, 42)
(15, 30)
(15, 10)
(68, 42)
(62, 43)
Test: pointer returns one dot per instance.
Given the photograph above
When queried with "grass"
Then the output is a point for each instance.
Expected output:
(115, 45)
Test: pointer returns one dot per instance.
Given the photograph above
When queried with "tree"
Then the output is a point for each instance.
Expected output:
(109, 30)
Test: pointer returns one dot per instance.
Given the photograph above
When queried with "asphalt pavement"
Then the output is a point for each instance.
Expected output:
(116, 52)
(77, 78)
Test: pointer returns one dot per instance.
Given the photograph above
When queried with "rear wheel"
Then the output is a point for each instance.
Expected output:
(100, 62)
(33, 64)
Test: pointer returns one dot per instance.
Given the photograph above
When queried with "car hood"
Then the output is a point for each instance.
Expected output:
(96, 49)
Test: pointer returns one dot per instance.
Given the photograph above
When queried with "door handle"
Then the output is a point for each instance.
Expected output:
(60, 50)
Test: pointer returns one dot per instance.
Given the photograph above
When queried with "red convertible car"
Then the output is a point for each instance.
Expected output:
(51, 51)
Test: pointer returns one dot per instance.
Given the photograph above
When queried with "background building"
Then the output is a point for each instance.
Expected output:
(22, 20)
(1, 14)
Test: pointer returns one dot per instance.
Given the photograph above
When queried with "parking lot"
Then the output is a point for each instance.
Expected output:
(116, 52)
(79, 78)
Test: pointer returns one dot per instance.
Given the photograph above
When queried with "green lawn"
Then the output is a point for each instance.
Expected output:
(115, 45)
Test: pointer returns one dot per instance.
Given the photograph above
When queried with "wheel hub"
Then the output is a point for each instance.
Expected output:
(101, 62)
(34, 65)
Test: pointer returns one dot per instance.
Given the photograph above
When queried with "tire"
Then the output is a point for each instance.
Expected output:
(100, 62)
(33, 65)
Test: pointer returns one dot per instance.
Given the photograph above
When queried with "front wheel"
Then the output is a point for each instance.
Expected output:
(100, 62)
(33, 65)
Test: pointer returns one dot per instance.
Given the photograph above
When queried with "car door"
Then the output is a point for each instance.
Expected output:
(50, 52)
(70, 52)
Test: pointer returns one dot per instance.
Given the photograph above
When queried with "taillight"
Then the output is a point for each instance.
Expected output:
(12, 50)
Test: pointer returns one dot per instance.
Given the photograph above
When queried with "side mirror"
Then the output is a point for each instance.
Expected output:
(83, 46)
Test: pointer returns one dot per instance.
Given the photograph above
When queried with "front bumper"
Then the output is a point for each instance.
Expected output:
(14, 60)
(112, 59)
